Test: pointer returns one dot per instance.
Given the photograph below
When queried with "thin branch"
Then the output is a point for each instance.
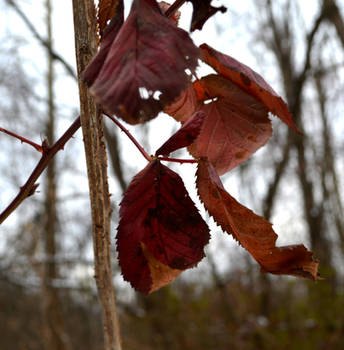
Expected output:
(174, 7)
(141, 149)
(334, 16)
(177, 160)
(30, 186)
(270, 196)
(43, 41)
(307, 63)
(35, 145)
(131, 137)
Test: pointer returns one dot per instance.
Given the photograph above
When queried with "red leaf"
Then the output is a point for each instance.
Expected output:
(160, 232)
(106, 11)
(248, 80)
(235, 126)
(202, 11)
(184, 137)
(109, 35)
(253, 232)
(184, 106)
(148, 57)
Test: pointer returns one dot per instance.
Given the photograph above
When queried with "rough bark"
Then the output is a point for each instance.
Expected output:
(96, 159)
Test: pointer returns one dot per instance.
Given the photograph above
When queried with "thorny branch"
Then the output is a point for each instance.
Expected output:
(35, 145)
(48, 153)
(131, 137)
(30, 186)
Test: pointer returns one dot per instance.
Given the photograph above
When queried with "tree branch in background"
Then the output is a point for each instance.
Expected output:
(115, 159)
(329, 181)
(43, 41)
(293, 85)
(85, 30)
(55, 336)
(270, 196)
(331, 9)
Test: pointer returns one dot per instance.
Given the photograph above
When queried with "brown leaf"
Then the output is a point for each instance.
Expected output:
(253, 232)
(160, 232)
(248, 80)
(235, 126)
(160, 274)
(184, 137)
(184, 106)
(106, 10)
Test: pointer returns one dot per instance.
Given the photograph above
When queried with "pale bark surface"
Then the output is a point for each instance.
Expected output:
(96, 159)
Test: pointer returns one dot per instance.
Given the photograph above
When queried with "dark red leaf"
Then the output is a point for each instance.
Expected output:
(184, 106)
(109, 35)
(202, 11)
(184, 137)
(253, 232)
(148, 57)
(248, 80)
(160, 232)
(235, 126)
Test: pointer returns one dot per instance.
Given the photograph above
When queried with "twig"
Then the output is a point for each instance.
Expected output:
(131, 137)
(35, 145)
(177, 160)
(174, 7)
(142, 150)
(30, 186)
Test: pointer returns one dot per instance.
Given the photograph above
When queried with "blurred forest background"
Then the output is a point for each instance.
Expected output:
(48, 297)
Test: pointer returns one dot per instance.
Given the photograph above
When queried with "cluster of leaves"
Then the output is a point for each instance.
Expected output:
(141, 70)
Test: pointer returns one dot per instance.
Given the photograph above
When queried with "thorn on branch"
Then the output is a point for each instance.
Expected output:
(29, 188)
(31, 191)
(23, 140)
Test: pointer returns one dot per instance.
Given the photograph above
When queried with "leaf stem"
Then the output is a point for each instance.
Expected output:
(131, 137)
(178, 160)
(141, 149)
(174, 7)
(30, 186)
(35, 145)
